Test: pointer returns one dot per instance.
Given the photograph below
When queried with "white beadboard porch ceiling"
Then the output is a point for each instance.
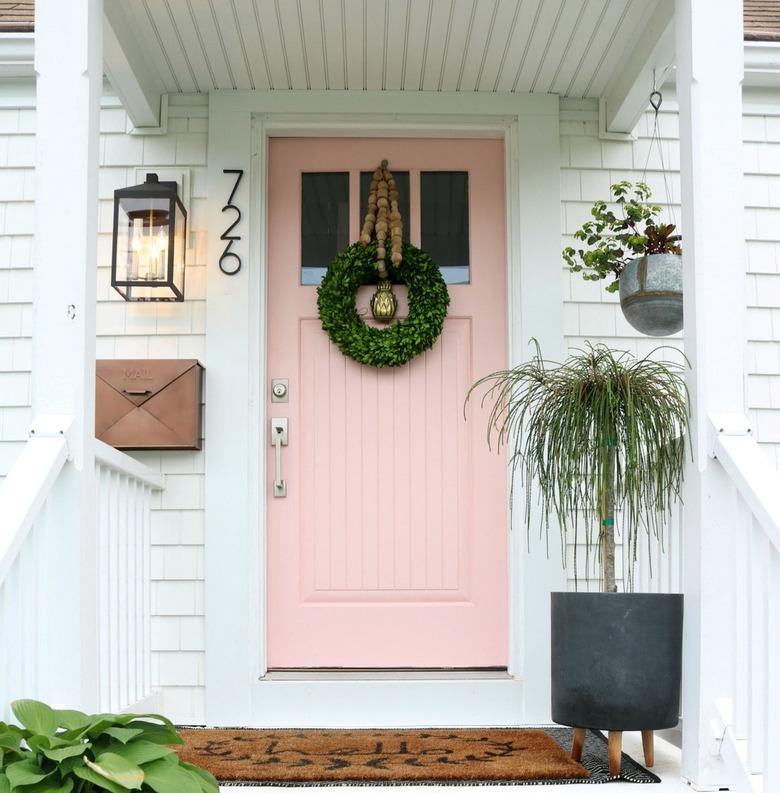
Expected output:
(566, 47)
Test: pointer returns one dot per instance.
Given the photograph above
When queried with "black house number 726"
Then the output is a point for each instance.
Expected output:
(225, 264)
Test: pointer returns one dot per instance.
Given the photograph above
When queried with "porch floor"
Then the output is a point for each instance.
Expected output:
(667, 767)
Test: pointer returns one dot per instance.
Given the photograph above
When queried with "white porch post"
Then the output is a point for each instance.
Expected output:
(709, 75)
(68, 64)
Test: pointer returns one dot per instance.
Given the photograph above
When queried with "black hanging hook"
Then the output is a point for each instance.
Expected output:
(655, 100)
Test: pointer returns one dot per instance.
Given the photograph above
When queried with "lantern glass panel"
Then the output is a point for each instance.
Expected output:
(142, 239)
(179, 247)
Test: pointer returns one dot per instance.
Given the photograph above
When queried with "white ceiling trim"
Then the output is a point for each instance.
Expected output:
(135, 83)
(646, 60)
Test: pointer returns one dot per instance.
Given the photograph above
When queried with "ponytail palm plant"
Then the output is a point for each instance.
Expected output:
(600, 434)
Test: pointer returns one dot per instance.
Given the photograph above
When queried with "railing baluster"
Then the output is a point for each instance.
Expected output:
(113, 544)
(4, 658)
(28, 610)
(146, 576)
(742, 533)
(759, 548)
(139, 591)
(772, 772)
(103, 512)
(122, 586)
(12, 620)
(132, 585)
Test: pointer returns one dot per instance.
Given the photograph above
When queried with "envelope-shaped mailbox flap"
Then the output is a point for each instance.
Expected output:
(139, 381)
(149, 404)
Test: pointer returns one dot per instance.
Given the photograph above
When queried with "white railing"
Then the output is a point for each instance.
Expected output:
(25, 527)
(124, 496)
(748, 720)
(30, 568)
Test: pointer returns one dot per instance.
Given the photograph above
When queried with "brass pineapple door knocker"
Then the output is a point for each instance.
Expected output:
(383, 216)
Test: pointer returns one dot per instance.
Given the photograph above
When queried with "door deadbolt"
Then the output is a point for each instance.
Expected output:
(279, 389)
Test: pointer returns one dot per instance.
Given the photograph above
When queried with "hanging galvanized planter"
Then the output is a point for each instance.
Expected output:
(651, 294)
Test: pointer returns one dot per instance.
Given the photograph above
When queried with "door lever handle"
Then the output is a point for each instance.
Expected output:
(279, 439)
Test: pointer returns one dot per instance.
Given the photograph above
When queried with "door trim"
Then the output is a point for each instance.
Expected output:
(236, 692)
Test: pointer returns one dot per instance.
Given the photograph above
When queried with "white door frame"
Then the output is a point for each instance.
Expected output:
(238, 691)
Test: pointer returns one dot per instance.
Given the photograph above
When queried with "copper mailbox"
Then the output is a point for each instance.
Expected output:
(149, 404)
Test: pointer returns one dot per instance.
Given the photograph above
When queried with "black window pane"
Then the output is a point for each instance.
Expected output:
(324, 222)
(402, 185)
(444, 222)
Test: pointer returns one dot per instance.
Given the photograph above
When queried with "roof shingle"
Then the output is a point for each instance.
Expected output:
(17, 16)
(762, 20)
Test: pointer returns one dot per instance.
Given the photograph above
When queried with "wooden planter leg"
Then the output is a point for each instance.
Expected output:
(615, 747)
(578, 741)
(647, 745)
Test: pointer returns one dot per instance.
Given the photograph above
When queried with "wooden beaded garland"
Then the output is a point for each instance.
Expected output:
(383, 216)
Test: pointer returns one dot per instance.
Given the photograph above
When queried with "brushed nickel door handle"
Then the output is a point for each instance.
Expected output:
(279, 439)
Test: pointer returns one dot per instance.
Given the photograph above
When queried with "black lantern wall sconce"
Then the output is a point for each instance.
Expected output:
(150, 240)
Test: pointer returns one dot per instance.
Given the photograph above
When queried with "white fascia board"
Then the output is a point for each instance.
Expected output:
(627, 94)
(17, 52)
(762, 63)
(129, 73)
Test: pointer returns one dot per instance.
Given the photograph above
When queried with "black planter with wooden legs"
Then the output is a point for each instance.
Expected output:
(616, 666)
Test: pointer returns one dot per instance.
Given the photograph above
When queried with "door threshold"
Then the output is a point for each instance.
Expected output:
(491, 673)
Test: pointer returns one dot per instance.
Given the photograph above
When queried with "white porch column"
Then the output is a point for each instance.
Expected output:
(709, 76)
(68, 64)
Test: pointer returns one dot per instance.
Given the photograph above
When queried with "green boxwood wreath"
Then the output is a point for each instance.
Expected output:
(401, 341)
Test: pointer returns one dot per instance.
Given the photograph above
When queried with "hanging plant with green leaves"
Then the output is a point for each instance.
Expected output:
(600, 434)
(613, 238)
(365, 262)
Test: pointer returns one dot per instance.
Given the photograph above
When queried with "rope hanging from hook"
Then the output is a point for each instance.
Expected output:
(656, 100)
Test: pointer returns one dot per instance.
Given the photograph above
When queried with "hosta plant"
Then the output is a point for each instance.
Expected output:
(66, 751)
(599, 435)
(612, 239)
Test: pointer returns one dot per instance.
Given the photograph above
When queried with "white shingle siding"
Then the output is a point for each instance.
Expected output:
(165, 330)
(17, 156)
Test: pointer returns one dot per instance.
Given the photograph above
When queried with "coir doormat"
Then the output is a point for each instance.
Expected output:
(401, 757)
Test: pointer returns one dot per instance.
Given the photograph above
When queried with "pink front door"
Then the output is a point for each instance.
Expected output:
(390, 547)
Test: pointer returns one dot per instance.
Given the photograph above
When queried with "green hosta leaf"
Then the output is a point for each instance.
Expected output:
(36, 716)
(71, 719)
(208, 782)
(158, 733)
(50, 786)
(61, 753)
(123, 734)
(117, 769)
(5, 785)
(88, 775)
(99, 723)
(143, 718)
(164, 776)
(142, 752)
(25, 772)
(10, 740)
(66, 766)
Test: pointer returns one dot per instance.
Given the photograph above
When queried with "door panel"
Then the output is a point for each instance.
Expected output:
(389, 549)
